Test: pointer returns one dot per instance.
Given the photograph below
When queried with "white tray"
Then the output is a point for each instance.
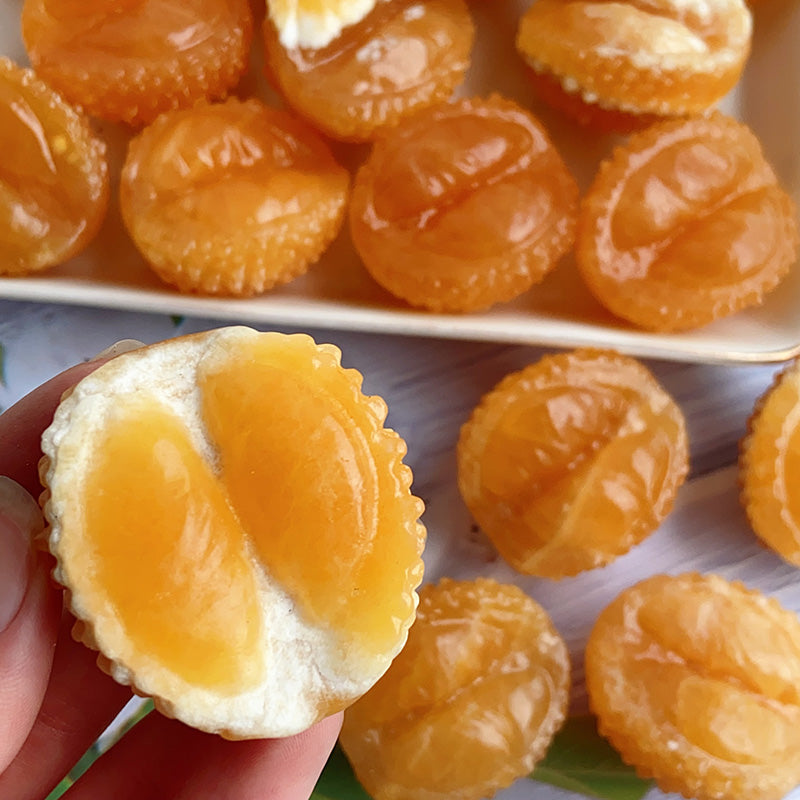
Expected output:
(337, 292)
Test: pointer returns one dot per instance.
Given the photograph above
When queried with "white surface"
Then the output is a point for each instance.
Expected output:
(337, 293)
(431, 387)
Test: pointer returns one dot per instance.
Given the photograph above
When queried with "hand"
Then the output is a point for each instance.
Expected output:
(54, 701)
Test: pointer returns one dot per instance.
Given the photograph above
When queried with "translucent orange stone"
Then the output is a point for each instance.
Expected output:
(572, 461)
(769, 465)
(231, 198)
(695, 681)
(132, 59)
(320, 465)
(667, 57)
(463, 205)
(469, 705)
(211, 631)
(54, 191)
(403, 56)
(684, 224)
(250, 565)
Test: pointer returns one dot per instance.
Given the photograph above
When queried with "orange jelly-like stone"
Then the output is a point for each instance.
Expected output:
(54, 190)
(132, 59)
(405, 55)
(463, 205)
(235, 527)
(231, 198)
(211, 633)
(663, 57)
(695, 681)
(572, 461)
(769, 465)
(684, 224)
(317, 476)
(470, 704)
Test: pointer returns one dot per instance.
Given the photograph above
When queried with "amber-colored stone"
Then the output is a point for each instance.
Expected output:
(695, 680)
(250, 565)
(769, 465)
(405, 55)
(470, 704)
(231, 198)
(132, 59)
(685, 223)
(572, 461)
(664, 57)
(54, 190)
(463, 205)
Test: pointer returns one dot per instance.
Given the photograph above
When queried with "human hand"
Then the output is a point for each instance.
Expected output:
(54, 701)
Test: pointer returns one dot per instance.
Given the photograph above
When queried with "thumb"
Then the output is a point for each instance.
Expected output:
(29, 615)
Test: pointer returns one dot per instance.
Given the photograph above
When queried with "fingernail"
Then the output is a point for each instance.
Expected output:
(20, 521)
(122, 346)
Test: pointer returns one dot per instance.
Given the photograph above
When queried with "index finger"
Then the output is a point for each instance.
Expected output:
(21, 426)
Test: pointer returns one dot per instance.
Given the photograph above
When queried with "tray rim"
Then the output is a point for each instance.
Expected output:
(763, 339)
(512, 328)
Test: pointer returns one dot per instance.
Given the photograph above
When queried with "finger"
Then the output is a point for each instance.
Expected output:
(161, 759)
(29, 612)
(30, 607)
(79, 704)
(187, 765)
(21, 427)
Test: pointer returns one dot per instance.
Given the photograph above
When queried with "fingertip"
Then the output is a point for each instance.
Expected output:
(299, 760)
(320, 738)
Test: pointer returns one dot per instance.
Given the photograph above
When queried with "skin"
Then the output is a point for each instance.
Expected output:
(55, 701)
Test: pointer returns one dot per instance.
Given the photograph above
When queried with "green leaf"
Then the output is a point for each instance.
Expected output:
(337, 781)
(177, 319)
(60, 789)
(135, 718)
(95, 751)
(86, 761)
(580, 760)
